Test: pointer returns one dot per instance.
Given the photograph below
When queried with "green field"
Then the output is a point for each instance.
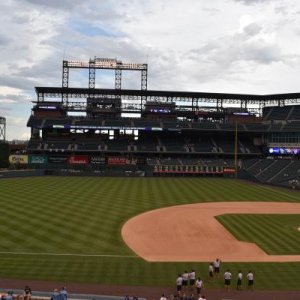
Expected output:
(275, 234)
(44, 216)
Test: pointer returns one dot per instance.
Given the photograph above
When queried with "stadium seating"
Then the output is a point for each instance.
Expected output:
(291, 127)
(202, 144)
(277, 113)
(247, 163)
(35, 122)
(87, 146)
(295, 113)
(146, 123)
(204, 125)
(285, 175)
(246, 146)
(225, 144)
(174, 143)
(120, 145)
(34, 145)
(87, 122)
(118, 123)
(257, 127)
(274, 171)
(259, 166)
(276, 127)
(271, 170)
(149, 144)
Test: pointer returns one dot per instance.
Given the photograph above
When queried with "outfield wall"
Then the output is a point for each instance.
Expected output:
(21, 173)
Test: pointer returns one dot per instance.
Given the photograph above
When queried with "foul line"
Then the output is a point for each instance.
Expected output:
(69, 254)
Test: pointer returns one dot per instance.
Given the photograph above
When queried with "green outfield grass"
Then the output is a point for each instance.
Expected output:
(275, 234)
(83, 216)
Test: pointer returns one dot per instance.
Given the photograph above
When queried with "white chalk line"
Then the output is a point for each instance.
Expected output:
(69, 254)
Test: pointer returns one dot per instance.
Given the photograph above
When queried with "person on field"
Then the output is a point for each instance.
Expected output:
(227, 279)
(217, 265)
(192, 280)
(250, 278)
(185, 278)
(239, 281)
(210, 272)
(199, 286)
(179, 285)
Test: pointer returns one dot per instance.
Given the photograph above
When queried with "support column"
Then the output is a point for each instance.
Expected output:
(65, 75)
(2, 129)
(118, 79)
(92, 74)
(144, 80)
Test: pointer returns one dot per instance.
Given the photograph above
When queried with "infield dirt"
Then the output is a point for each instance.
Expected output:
(189, 233)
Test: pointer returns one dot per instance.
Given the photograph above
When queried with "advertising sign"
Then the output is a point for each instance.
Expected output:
(116, 160)
(57, 159)
(284, 151)
(18, 159)
(98, 160)
(38, 159)
(78, 159)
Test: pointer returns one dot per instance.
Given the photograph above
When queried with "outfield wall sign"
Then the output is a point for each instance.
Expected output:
(116, 160)
(38, 159)
(18, 159)
(188, 169)
(58, 159)
(78, 159)
(98, 160)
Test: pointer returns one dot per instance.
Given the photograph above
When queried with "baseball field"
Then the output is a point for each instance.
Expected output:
(69, 229)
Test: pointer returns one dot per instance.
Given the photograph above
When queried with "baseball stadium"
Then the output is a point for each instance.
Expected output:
(119, 190)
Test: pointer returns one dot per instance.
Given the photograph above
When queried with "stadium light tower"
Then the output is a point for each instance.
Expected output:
(2, 129)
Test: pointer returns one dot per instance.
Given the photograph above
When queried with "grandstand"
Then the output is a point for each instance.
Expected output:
(162, 132)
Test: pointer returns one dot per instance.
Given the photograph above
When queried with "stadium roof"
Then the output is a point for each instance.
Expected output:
(153, 93)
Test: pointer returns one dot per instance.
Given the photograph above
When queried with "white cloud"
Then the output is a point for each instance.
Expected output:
(253, 2)
(218, 46)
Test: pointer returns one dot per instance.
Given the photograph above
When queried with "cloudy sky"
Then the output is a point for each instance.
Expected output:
(230, 46)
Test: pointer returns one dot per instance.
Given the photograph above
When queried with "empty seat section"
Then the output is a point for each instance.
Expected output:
(260, 166)
(173, 143)
(273, 169)
(290, 173)
(279, 113)
(202, 144)
(117, 145)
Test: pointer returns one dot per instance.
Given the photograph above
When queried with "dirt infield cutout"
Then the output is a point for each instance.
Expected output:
(191, 233)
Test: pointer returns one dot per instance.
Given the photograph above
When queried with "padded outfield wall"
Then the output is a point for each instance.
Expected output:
(4, 154)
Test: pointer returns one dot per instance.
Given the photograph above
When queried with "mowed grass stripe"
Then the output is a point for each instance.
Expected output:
(85, 215)
(275, 234)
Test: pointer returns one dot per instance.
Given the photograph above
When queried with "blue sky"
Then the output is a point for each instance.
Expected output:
(233, 46)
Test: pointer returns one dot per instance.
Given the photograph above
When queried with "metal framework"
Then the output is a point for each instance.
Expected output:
(134, 101)
(103, 63)
(2, 128)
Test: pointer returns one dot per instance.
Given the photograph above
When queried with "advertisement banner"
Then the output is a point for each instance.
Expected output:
(18, 159)
(229, 170)
(58, 159)
(116, 160)
(78, 160)
(38, 159)
(98, 160)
